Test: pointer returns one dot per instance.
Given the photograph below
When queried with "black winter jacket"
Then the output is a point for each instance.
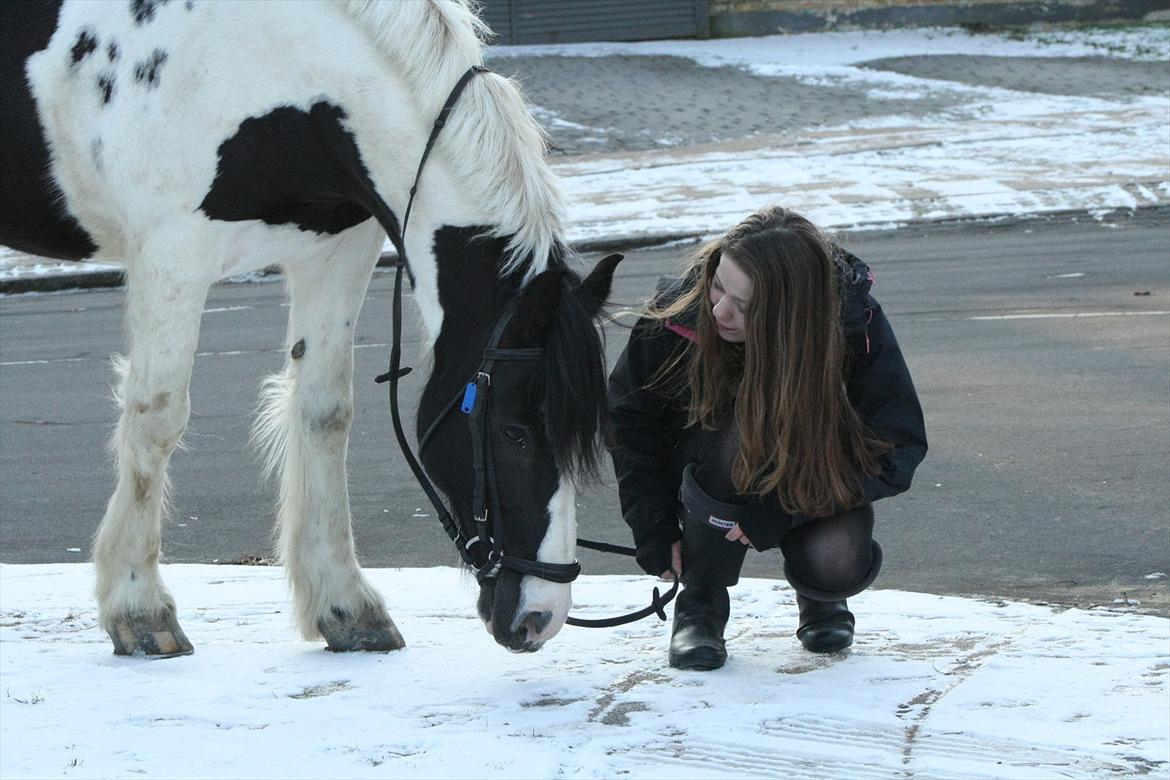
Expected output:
(647, 425)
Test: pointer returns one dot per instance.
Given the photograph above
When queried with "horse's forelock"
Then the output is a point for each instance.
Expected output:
(491, 140)
(573, 387)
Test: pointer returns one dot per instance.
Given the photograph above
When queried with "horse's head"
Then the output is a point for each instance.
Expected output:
(534, 430)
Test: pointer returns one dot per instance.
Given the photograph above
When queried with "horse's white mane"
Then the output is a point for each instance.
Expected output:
(491, 139)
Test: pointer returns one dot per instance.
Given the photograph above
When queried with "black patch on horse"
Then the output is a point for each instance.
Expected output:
(85, 45)
(147, 70)
(32, 217)
(286, 168)
(105, 85)
(112, 51)
(143, 10)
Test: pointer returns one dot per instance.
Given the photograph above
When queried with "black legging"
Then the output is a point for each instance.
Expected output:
(831, 554)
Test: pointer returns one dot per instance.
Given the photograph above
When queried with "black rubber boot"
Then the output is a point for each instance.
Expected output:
(825, 626)
(711, 565)
(700, 615)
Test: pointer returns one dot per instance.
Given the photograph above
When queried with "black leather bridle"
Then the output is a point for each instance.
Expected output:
(475, 400)
(484, 552)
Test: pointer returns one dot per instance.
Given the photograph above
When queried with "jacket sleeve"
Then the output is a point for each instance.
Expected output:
(644, 434)
(882, 392)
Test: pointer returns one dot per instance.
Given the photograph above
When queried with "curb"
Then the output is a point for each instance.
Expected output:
(116, 278)
(62, 282)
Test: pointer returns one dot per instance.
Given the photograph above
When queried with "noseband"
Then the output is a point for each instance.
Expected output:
(484, 552)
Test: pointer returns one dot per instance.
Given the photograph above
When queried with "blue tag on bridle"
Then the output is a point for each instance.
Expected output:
(468, 398)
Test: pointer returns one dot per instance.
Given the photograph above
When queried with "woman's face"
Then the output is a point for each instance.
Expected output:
(731, 289)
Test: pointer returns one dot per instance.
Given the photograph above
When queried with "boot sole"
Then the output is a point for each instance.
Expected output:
(823, 647)
(703, 660)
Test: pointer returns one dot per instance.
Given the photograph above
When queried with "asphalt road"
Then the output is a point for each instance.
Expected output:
(1049, 424)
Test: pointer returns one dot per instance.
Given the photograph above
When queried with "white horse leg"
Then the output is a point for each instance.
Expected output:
(163, 307)
(304, 425)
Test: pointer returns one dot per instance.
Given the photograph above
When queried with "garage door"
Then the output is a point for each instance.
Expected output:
(568, 21)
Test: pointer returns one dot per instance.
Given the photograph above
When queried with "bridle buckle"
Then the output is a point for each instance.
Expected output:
(490, 570)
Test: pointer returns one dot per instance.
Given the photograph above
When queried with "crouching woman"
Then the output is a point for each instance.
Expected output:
(762, 401)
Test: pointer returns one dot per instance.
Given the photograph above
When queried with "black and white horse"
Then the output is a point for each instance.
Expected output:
(191, 140)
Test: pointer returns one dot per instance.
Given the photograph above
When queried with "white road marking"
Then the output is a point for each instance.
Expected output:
(226, 308)
(1070, 315)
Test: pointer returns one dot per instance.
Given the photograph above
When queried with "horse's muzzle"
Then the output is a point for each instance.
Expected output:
(522, 629)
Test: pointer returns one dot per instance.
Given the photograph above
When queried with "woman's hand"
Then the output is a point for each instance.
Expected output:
(675, 562)
(736, 534)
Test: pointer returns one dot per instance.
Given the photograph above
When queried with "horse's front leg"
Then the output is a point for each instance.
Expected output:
(163, 307)
(304, 424)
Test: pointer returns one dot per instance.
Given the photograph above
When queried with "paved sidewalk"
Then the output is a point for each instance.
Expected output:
(663, 140)
(673, 138)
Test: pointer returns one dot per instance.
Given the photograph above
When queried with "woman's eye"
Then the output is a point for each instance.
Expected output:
(515, 434)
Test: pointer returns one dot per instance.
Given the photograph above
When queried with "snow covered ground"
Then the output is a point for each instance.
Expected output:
(935, 687)
(1000, 152)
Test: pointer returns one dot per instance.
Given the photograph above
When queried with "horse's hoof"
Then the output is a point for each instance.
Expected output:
(371, 631)
(152, 637)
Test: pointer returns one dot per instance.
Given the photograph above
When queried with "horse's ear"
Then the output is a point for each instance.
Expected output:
(538, 301)
(594, 290)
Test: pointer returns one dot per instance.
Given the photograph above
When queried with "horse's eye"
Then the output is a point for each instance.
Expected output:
(515, 434)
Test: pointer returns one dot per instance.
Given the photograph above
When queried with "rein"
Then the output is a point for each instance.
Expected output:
(475, 399)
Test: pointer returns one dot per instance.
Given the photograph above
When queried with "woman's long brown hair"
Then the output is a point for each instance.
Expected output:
(800, 438)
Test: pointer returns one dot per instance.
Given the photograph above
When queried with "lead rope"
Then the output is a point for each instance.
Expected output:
(657, 600)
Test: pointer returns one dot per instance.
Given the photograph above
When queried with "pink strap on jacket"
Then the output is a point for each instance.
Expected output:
(682, 330)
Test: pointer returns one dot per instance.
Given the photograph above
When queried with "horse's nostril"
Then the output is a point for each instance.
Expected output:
(537, 622)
